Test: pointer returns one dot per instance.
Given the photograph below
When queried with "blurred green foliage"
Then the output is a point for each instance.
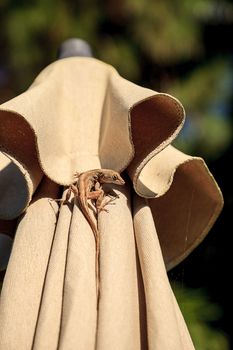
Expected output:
(159, 44)
(200, 314)
(144, 39)
(121, 33)
(206, 92)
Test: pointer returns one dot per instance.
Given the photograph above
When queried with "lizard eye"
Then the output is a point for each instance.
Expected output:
(114, 177)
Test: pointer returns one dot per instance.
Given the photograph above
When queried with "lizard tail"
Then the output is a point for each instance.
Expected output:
(97, 270)
(97, 242)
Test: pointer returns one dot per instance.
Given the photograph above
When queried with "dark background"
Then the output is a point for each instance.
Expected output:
(180, 47)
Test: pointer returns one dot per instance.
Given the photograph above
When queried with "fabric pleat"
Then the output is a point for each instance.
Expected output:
(80, 114)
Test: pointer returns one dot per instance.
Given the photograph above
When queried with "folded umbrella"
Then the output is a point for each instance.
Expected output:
(80, 114)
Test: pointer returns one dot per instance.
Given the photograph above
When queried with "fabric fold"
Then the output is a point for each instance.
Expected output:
(50, 281)
(187, 211)
(77, 116)
(184, 198)
(17, 186)
(23, 284)
(80, 114)
(120, 314)
(165, 324)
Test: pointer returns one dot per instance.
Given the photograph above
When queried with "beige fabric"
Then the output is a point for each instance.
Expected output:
(48, 299)
(79, 114)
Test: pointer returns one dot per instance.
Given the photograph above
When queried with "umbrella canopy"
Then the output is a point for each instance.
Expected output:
(80, 114)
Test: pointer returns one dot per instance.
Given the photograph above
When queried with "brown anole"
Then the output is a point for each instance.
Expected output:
(88, 185)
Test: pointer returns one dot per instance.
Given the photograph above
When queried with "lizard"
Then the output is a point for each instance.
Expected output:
(88, 185)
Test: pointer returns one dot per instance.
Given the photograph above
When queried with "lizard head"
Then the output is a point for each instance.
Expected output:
(111, 176)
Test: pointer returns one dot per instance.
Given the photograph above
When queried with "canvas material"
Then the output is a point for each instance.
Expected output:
(49, 300)
(79, 114)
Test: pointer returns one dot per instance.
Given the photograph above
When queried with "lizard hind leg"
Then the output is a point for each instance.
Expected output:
(101, 204)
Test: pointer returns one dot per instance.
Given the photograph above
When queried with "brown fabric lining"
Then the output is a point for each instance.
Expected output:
(195, 202)
(151, 133)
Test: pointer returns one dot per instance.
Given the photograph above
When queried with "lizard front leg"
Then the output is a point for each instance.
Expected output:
(101, 199)
(101, 203)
